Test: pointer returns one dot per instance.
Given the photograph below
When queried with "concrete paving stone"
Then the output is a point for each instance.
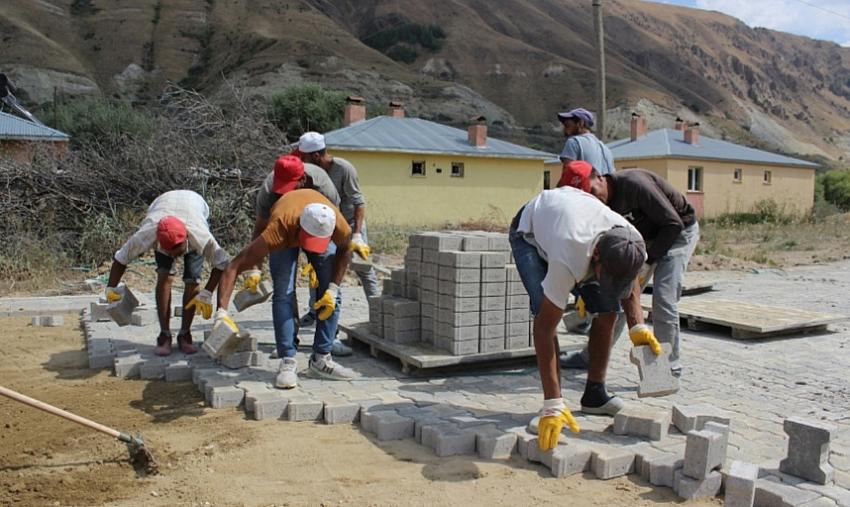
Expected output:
(641, 422)
(128, 366)
(420, 422)
(493, 303)
(465, 333)
(458, 304)
(222, 341)
(493, 289)
(520, 302)
(456, 259)
(459, 275)
(237, 360)
(486, 346)
(516, 342)
(820, 502)
(494, 259)
(389, 425)
(455, 442)
(226, 397)
(413, 253)
(521, 315)
(646, 458)
(246, 298)
(400, 307)
(690, 489)
(179, 371)
(121, 311)
(143, 318)
(266, 405)
(662, 470)
(441, 242)
(248, 344)
(739, 484)
(429, 432)
(837, 494)
(688, 418)
(515, 288)
(808, 449)
(47, 321)
(512, 273)
(459, 319)
(199, 374)
(98, 361)
(152, 369)
(475, 243)
(656, 379)
(493, 317)
(609, 462)
(98, 313)
(304, 409)
(493, 443)
(494, 331)
(569, 459)
(493, 275)
(705, 450)
(775, 494)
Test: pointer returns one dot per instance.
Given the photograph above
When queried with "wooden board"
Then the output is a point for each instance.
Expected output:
(750, 320)
(422, 358)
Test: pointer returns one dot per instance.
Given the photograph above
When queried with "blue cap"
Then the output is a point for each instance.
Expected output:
(578, 114)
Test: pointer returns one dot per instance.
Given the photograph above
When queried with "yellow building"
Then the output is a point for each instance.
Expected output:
(415, 172)
(717, 176)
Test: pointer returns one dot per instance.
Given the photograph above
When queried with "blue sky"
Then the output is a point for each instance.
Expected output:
(802, 17)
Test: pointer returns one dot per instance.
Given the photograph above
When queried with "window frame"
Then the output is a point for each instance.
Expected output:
(737, 175)
(767, 177)
(547, 180)
(462, 170)
(424, 169)
(698, 179)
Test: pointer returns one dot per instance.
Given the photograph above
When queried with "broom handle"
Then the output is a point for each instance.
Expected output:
(58, 411)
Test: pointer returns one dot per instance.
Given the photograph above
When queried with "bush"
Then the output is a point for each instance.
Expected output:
(96, 121)
(304, 108)
(835, 188)
(766, 211)
(428, 36)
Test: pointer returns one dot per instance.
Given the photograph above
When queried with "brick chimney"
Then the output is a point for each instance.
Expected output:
(477, 131)
(396, 109)
(355, 110)
(692, 134)
(679, 125)
(638, 126)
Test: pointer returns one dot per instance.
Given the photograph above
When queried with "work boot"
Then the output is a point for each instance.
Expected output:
(325, 367)
(309, 319)
(340, 349)
(573, 360)
(287, 374)
(163, 345)
(598, 401)
(184, 343)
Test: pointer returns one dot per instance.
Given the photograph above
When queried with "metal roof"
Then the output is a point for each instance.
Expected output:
(666, 143)
(415, 135)
(12, 127)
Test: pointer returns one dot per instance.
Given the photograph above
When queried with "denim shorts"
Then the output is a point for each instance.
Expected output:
(193, 266)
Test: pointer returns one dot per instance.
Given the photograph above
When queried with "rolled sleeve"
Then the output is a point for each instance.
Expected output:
(558, 283)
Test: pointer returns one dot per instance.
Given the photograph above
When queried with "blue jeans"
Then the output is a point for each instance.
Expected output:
(531, 266)
(193, 265)
(282, 265)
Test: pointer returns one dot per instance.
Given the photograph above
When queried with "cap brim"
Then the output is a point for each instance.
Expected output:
(311, 243)
(564, 116)
(284, 187)
(618, 288)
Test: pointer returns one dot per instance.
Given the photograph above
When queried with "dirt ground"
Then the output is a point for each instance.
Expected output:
(218, 458)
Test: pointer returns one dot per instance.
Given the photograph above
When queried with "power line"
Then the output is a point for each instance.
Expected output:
(824, 9)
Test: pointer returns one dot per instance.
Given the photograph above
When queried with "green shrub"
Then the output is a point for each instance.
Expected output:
(428, 36)
(766, 211)
(304, 108)
(835, 188)
(96, 121)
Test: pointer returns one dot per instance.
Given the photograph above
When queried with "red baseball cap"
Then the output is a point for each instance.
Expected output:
(288, 171)
(170, 232)
(576, 174)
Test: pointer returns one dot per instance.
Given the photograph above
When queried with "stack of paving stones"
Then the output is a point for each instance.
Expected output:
(684, 449)
(457, 293)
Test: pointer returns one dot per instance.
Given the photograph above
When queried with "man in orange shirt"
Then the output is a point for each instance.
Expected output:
(300, 220)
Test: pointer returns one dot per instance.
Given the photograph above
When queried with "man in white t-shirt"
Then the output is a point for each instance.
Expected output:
(175, 225)
(560, 239)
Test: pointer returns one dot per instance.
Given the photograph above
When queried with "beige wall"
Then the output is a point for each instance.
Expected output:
(791, 187)
(490, 188)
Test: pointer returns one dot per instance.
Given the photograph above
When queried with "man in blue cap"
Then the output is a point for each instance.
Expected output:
(581, 144)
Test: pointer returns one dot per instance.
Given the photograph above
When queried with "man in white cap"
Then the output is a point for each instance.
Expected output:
(311, 147)
(175, 225)
(300, 220)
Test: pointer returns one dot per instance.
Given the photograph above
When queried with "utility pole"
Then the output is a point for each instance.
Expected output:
(600, 69)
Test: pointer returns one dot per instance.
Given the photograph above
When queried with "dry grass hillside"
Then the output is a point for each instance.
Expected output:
(515, 62)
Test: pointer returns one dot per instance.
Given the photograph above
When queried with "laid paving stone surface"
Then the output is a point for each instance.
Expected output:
(758, 385)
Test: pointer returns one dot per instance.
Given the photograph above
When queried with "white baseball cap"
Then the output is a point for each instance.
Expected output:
(311, 142)
(318, 222)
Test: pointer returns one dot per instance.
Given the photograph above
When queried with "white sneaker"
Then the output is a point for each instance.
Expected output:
(287, 374)
(325, 367)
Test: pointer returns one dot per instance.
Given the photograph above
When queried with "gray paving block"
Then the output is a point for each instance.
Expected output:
(456, 348)
(248, 344)
(465, 333)
(475, 243)
(237, 360)
(152, 369)
(493, 275)
(267, 405)
(640, 422)
(226, 397)
(570, 459)
(656, 379)
(222, 341)
(662, 470)
(459, 319)
(822, 502)
(774, 494)
(517, 329)
(493, 303)
(486, 346)
(740, 484)
(493, 289)
(245, 298)
(121, 311)
(493, 443)
(490, 260)
(524, 441)
(458, 304)
(459, 275)
(98, 313)
(522, 315)
(399, 307)
(413, 253)
(645, 457)
(454, 259)
(428, 270)
(143, 318)
(516, 342)
(454, 442)
(687, 418)
(808, 449)
(493, 317)
(515, 288)
(304, 409)
(705, 451)
(441, 241)
(389, 425)
(48, 321)
(99, 360)
(429, 432)
(493, 332)
(610, 462)
(690, 489)
(128, 366)
(521, 302)
(341, 412)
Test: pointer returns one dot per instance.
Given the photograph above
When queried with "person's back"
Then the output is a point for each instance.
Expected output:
(589, 148)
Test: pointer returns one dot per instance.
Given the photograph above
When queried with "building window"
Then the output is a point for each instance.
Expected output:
(695, 179)
(417, 168)
(547, 183)
(457, 169)
(738, 176)
(767, 177)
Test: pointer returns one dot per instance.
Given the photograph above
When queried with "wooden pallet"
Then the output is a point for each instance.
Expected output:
(424, 358)
(749, 320)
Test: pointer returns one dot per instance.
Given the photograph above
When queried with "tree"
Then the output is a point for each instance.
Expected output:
(836, 188)
(305, 108)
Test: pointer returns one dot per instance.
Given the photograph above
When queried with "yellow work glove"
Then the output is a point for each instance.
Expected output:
(309, 272)
(555, 416)
(327, 304)
(645, 274)
(112, 295)
(252, 278)
(582, 311)
(221, 315)
(640, 334)
(359, 246)
(202, 303)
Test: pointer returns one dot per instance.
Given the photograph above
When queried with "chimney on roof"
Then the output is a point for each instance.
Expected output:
(692, 134)
(680, 124)
(477, 131)
(396, 109)
(638, 126)
(355, 110)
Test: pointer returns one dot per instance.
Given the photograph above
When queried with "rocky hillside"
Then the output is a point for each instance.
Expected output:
(515, 62)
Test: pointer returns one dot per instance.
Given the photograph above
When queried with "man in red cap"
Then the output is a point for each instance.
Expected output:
(668, 224)
(305, 220)
(175, 225)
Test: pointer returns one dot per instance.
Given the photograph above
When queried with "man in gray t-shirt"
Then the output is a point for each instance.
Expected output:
(316, 178)
(581, 144)
(352, 202)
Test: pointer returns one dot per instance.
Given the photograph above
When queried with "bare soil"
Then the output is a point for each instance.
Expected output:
(217, 457)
